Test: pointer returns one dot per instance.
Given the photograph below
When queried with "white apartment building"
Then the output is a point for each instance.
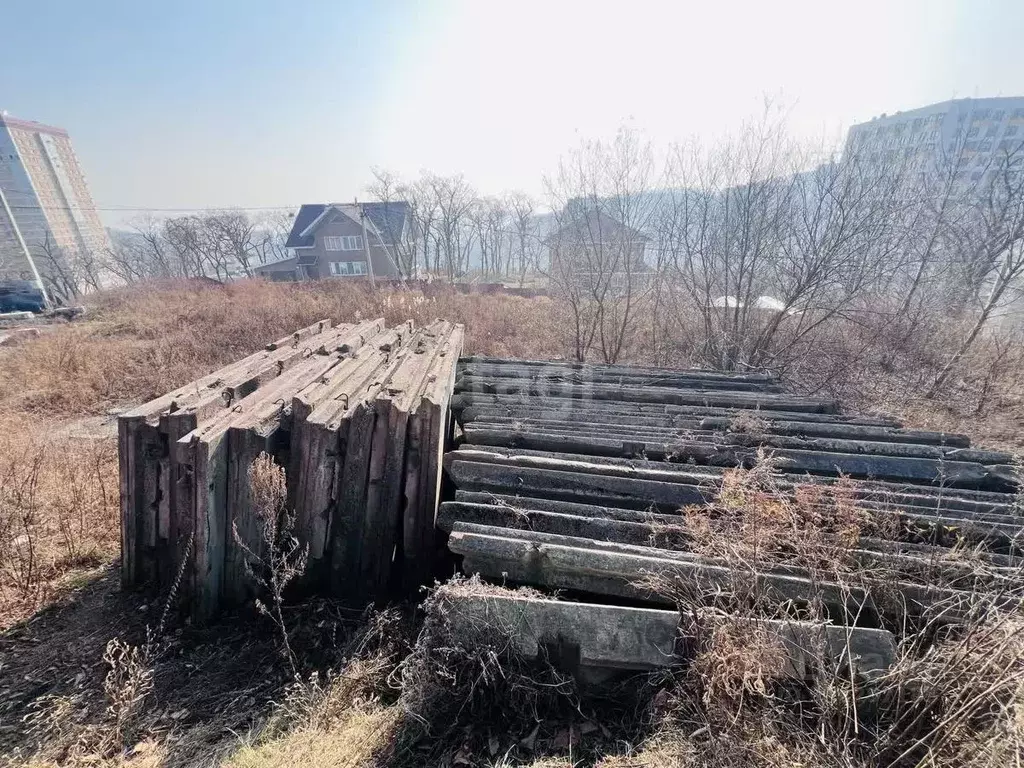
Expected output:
(43, 191)
(971, 137)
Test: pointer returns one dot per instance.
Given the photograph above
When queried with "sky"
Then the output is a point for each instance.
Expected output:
(234, 103)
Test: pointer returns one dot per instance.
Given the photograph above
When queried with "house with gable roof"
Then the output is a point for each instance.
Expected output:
(351, 241)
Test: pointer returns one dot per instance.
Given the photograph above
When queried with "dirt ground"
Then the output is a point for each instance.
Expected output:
(211, 686)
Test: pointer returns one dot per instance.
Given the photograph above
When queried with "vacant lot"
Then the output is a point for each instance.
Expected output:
(87, 699)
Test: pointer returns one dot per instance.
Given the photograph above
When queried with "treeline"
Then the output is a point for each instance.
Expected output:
(762, 252)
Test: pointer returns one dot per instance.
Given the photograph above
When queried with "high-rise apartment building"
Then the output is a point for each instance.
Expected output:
(970, 137)
(45, 195)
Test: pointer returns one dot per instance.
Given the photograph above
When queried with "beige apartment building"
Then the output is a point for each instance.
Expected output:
(45, 198)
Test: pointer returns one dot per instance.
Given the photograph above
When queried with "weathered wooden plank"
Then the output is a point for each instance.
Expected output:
(568, 485)
(552, 488)
(467, 404)
(660, 423)
(656, 395)
(500, 554)
(337, 341)
(658, 442)
(564, 507)
(881, 493)
(620, 637)
(214, 380)
(933, 560)
(317, 413)
(294, 338)
(166, 419)
(505, 362)
(385, 516)
(635, 532)
(431, 413)
(600, 568)
(380, 522)
(129, 454)
(174, 531)
(948, 474)
(418, 453)
(539, 375)
(210, 474)
(209, 462)
(349, 512)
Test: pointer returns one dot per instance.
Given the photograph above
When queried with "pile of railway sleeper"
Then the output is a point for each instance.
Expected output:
(567, 475)
(356, 414)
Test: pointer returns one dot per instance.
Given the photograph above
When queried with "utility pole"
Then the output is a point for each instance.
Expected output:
(24, 249)
(366, 246)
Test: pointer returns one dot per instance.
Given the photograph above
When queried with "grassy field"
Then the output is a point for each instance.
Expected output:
(86, 676)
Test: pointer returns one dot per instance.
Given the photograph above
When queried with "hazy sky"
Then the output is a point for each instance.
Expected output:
(225, 103)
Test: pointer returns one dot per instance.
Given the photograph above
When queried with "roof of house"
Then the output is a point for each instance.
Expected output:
(307, 215)
(274, 266)
(590, 224)
(388, 219)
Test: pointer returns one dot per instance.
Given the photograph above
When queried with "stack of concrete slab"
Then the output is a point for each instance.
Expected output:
(565, 474)
(348, 411)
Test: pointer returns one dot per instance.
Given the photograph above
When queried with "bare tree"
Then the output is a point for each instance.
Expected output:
(990, 249)
(271, 235)
(491, 219)
(770, 243)
(219, 244)
(453, 200)
(398, 228)
(233, 237)
(602, 195)
(67, 275)
(525, 235)
(58, 272)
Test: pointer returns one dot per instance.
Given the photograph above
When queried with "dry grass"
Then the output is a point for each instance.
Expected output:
(352, 741)
(136, 345)
(346, 719)
(58, 513)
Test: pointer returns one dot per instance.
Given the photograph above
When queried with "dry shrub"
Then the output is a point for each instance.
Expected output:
(456, 674)
(740, 659)
(280, 560)
(63, 733)
(58, 511)
(759, 520)
(952, 698)
(957, 701)
(887, 364)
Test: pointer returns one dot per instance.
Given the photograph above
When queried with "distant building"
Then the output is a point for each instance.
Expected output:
(328, 242)
(593, 251)
(975, 135)
(45, 194)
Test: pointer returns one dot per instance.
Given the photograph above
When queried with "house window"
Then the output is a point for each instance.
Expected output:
(343, 243)
(344, 268)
